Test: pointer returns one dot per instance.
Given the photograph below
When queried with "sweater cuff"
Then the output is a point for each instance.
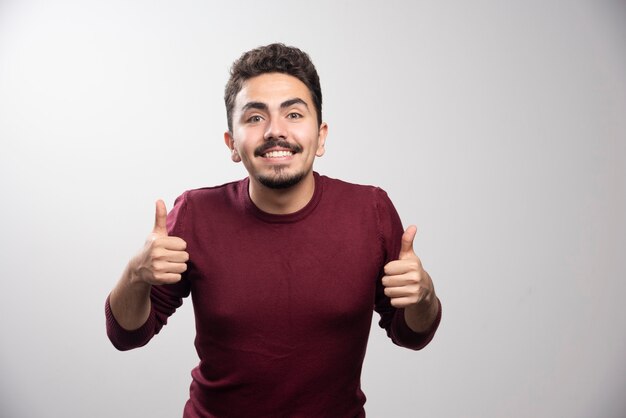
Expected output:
(124, 339)
(409, 338)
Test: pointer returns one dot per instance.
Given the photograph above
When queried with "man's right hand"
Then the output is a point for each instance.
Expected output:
(163, 258)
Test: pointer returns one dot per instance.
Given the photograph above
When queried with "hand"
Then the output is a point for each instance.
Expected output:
(406, 283)
(163, 258)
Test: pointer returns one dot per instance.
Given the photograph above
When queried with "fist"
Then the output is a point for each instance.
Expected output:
(406, 282)
(163, 259)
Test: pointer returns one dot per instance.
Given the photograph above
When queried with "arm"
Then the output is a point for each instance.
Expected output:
(161, 261)
(410, 310)
(129, 300)
(409, 286)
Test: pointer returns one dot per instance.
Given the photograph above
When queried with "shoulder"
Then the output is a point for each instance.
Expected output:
(212, 192)
(368, 193)
(225, 196)
(195, 204)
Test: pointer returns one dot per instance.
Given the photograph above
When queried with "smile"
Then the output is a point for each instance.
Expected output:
(277, 154)
(277, 149)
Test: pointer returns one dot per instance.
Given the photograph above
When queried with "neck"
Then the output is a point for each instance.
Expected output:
(282, 201)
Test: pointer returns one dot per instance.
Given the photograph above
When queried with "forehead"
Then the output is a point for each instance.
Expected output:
(272, 88)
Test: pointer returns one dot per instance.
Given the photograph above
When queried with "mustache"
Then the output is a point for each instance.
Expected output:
(281, 143)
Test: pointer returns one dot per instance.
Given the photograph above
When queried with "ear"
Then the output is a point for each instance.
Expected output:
(230, 143)
(321, 139)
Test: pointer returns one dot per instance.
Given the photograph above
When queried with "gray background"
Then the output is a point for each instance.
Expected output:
(498, 127)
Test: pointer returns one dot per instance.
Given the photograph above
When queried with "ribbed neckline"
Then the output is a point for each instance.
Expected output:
(288, 218)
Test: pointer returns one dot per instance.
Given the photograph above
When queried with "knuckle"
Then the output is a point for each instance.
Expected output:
(157, 266)
(415, 278)
(156, 253)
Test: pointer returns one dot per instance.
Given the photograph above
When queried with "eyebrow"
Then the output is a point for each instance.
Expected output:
(291, 102)
(283, 105)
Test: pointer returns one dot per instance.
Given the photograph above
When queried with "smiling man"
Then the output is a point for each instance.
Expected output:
(284, 267)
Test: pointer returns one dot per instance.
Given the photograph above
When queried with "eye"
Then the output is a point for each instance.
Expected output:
(254, 119)
(294, 115)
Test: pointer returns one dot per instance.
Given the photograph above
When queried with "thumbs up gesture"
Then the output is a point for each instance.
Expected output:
(406, 283)
(163, 258)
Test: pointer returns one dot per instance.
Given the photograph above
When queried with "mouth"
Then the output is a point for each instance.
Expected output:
(280, 149)
(277, 154)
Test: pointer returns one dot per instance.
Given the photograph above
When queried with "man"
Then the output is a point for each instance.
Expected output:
(284, 267)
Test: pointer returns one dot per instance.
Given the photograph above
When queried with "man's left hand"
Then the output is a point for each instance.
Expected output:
(406, 282)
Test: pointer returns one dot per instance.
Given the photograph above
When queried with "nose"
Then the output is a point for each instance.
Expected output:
(275, 129)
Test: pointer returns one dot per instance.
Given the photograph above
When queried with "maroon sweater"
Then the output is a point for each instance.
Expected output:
(283, 303)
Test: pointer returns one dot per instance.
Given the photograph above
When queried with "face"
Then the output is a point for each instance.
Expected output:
(275, 130)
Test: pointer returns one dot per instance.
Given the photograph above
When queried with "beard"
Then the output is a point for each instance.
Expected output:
(280, 179)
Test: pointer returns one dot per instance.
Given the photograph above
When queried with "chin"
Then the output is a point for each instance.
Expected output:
(280, 179)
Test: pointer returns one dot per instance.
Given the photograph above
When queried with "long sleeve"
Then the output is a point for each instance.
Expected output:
(392, 319)
(165, 299)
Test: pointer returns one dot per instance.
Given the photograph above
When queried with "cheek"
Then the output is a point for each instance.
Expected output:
(245, 154)
(306, 135)
(249, 136)
(244, 142)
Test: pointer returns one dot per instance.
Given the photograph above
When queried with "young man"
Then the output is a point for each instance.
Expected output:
(284, 267)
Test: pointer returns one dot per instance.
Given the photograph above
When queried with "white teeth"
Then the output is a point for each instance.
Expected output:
(275, 154)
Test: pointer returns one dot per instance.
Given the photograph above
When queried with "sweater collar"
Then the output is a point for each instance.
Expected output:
(252, 209)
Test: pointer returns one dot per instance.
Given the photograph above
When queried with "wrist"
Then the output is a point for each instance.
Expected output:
(420, 316)
(134, 276)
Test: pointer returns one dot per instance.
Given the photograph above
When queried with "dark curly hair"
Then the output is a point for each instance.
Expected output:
(273, 58)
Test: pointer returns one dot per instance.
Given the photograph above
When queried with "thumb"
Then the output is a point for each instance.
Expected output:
(406, 251)
(160, 218)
